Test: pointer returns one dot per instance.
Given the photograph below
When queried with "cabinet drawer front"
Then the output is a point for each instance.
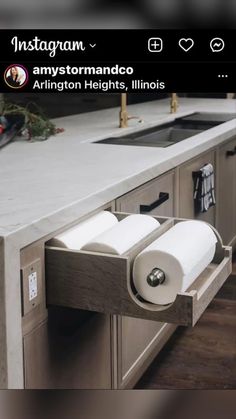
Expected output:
(159, 192)
(103, 283)
(186, 189)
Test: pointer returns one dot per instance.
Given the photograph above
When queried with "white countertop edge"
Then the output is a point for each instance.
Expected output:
(68, 214)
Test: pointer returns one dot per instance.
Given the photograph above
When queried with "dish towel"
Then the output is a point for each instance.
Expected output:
(204, 188)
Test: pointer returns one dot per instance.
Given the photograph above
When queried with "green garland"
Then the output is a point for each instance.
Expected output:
(36, 125)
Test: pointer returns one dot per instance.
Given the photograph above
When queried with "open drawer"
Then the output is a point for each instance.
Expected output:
(103, 282)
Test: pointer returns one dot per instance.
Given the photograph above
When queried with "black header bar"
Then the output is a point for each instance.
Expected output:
(139, 60)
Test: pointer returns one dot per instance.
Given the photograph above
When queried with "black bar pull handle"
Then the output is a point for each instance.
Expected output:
(163, 197)
(231, 152)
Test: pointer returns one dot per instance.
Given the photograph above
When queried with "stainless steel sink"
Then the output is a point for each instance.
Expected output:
(209, 117)
(204, 120)
(168, 134)
(161, 138)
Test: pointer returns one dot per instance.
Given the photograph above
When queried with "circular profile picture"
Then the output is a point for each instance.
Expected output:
(16, 76)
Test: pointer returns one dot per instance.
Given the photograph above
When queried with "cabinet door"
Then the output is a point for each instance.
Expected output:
(186, 188)
(226, 180)
(138, 341)
(63, 354)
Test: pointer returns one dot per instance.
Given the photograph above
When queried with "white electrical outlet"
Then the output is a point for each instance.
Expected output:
(33, 287)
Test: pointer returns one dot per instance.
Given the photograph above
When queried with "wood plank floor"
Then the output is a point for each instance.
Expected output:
(203, 357)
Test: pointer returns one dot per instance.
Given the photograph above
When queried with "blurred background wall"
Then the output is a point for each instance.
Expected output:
(75, 103)
(116, 13)
(83, 404)
(129, 404)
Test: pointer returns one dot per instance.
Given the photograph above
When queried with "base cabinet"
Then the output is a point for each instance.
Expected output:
(70, 348)
(139, 341)
(226, 180)
(63, 348)
(72, 357)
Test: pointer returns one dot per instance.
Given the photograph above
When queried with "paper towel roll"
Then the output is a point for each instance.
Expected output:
(124, 235)
(182, 253)
(77, 236)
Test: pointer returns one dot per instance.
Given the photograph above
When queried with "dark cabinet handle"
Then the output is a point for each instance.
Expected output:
(163, 196)
(231, 152)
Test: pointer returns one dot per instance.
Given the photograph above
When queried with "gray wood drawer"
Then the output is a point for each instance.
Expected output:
(148, 194)
(103, 282)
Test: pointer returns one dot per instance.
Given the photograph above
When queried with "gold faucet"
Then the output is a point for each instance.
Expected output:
(174, 103)
(124, 116)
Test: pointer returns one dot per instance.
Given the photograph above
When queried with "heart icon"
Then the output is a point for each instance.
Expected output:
(186, 43)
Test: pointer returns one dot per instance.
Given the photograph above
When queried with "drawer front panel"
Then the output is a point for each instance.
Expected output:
(159, 192)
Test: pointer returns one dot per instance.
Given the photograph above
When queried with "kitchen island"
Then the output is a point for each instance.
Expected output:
(48, 186)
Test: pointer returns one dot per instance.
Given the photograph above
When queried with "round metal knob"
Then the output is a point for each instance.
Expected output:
(156, 277)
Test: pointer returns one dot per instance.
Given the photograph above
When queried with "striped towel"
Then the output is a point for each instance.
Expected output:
(204, 188)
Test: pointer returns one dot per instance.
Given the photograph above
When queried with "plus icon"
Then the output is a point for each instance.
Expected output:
(155, 44)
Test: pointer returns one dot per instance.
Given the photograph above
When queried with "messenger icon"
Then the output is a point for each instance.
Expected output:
(217, 44)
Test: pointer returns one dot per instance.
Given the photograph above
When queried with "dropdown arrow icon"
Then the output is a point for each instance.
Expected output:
(92, 45)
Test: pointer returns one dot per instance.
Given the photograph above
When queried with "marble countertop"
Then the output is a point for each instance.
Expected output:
(45, 186)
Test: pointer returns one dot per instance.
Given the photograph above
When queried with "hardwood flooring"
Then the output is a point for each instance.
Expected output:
(203, 357)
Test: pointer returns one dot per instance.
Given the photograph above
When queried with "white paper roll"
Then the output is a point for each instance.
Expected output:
(182, 253)
(76, 237)
(124, 235)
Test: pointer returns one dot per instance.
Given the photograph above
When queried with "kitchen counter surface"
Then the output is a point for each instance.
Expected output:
(47, 185)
